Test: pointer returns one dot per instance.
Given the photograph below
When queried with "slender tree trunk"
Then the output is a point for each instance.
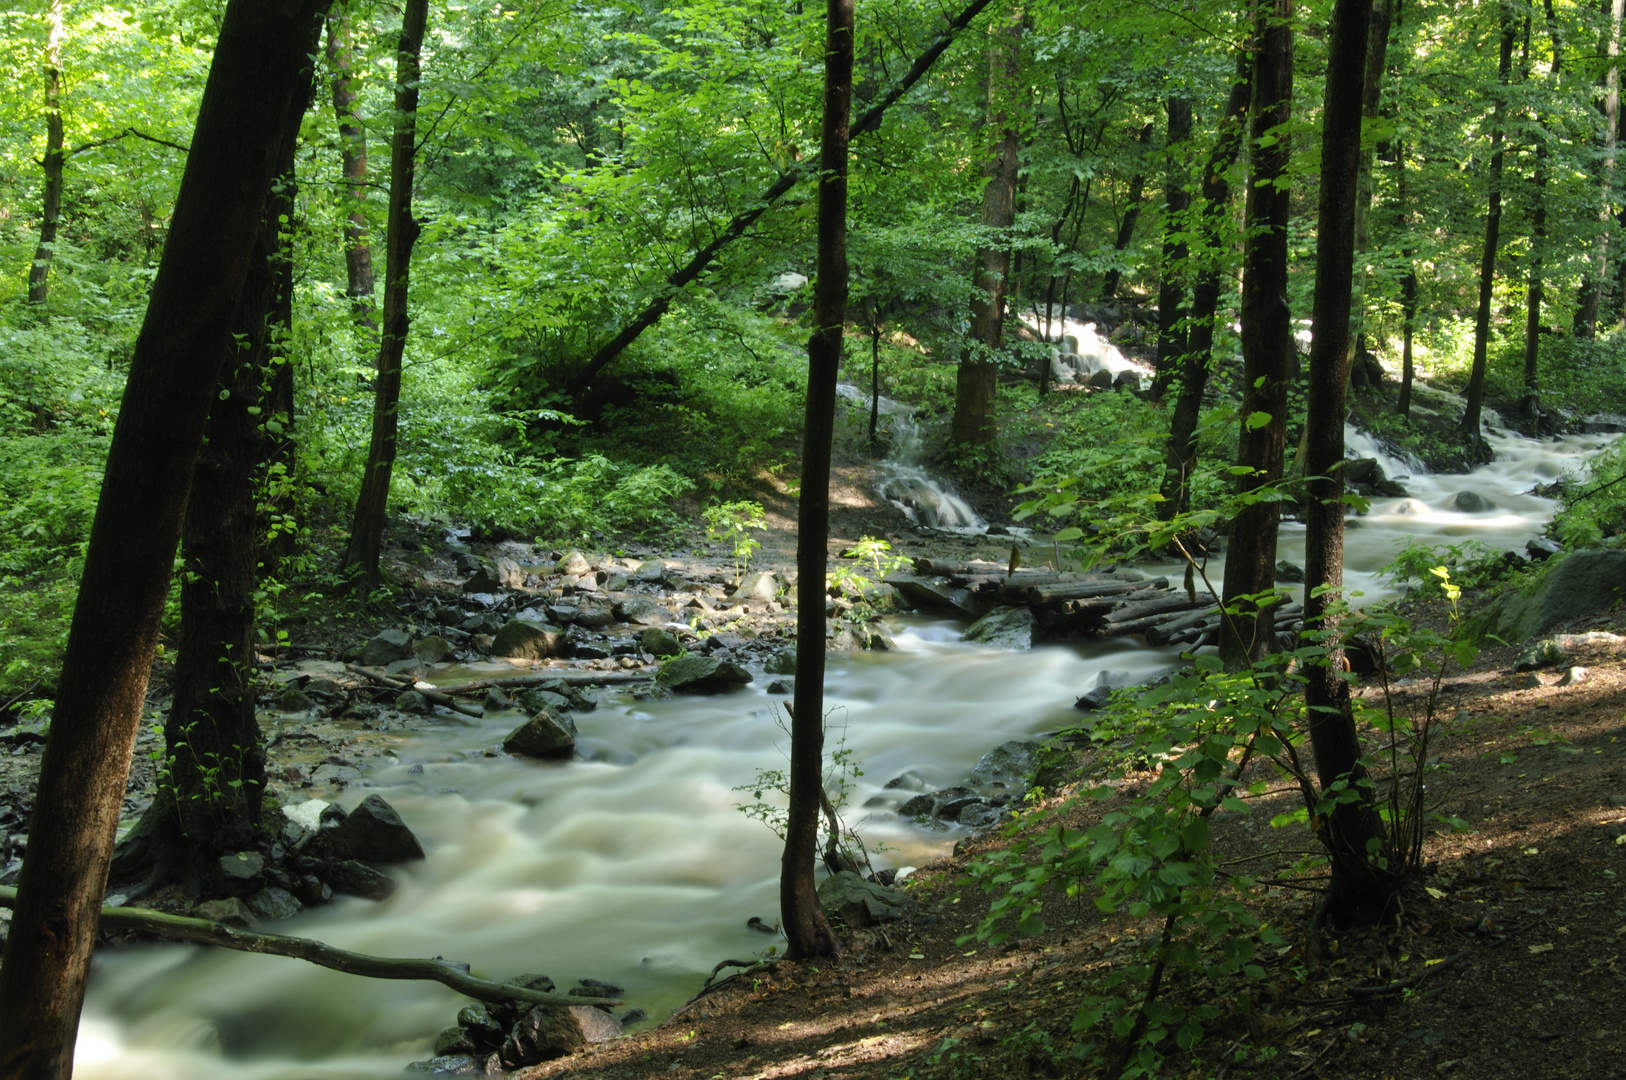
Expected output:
(1171, 339)
(806, 930)
(1126, 227)
(39, 274)
(1267, 341)
(358, 252)
(260, 68)
(1586, 312)
(973, 423)
(1376, 49)
(1475, 394)
(869, 120)
(1180, 456)
(1359, 887)
(367, 531)
(874, 375)
(1535, 291)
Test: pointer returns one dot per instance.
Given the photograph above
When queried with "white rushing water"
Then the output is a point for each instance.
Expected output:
(905, 482)
(632, 864)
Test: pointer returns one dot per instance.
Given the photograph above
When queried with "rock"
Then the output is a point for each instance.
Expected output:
(1542, 548)
(545, 1033)
(909, 781)
(597, 988)
(1101, 380)
(27, 731)
(659, 642)
(482, 1028)
(274, 902)
(544, 735)
(1009, 763)
(632, 1016)
(331, 775)
(760, 586)
(453, 1040)
(239, 874)
(642, 610)
(846, 893)
(411, 669)
(386, 647)
(311, 890)
(524, 640)
(782, 662)
(293, 699)
(449, 1065)
(1570, 586)
(432, 649)
(1531, 681)
(701, 675)
(484, 623)
(1471, 502)
(1543, 653)
(541, 983)
(945, 804)
(1057, 767)
(307, 815)
(980, 816)
(929, 595)
(573, 564)
(1126, 380)
(410, 701)
(918, 807)
(594, 617)
(1004, 628)
(496, 701)
(373, 833)
(1290, 572)
(1572, 676)
(355, 878)
(782, 686)
(228, 912)
(1096, 698)
(508, 573)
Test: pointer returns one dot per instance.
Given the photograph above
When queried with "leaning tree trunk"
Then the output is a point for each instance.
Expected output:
(806, 930)
(1586, 312)
(1267, 344)
(1126, 227)
(1180, 455)
(259, 69)
(39, 274)
(1171, 338)
(973, 423)
(367, 530)
(358, 252)
(1475, 394)
(1360, 888)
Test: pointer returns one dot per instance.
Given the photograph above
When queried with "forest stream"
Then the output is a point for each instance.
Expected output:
(631, 864)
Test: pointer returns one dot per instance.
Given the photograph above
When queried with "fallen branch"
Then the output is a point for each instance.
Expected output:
(574, 678)
(447, 972)
(394, 683)
(1409, 981)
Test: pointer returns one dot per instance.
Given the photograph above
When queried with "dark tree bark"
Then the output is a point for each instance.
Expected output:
(1586, 311)
(259, 68)
(973, 423)
(358, 252)
(1267, 343)
(1475, 393)
(1408, 291)
(1126, 227)
(1535, 290)
(1180, 455)
(1171, 339)
(39, 274)
(806, 930)
(367, 529)
(1360, 889)
(1376, 49)
(870, 120)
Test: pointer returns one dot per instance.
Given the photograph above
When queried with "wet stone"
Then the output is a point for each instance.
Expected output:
(273, 902)
(544, 735)
(355, 878)
(374, 833)
(432, 649)
(385, 647)
(453, 1040)
(701, 675)
(413, 702)
(659, 642)
(229, 912)
(496, 701)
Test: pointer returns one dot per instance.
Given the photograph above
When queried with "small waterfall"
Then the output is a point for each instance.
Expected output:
(1081, 352)
(905, 483)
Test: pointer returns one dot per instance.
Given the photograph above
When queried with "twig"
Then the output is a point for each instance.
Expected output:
(24, 692)
(1409, 981)
(447, 972)
(405, 684)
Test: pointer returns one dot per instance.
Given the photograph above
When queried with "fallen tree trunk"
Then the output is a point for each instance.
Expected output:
(1137, 608)
(446, 972)
(394, 683)
(1089, 590)
(574, 678)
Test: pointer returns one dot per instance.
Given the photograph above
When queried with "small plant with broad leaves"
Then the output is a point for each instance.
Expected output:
(731, 523)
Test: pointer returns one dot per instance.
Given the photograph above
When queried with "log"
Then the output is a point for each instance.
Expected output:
(438, 697)
(566, 675)
(1131, 626)
(1086, 590)
(447, 972)
(1165, 632)
(1136, 608)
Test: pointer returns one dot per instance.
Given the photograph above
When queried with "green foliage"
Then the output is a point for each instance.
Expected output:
(861, 587)
(1470, 564)
(731, 523)
(841, 773)
(1593, 500)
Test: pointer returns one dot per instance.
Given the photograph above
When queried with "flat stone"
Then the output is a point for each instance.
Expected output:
(701, 675)
(642, 610)
(524, 640)
(544, 735)
(385, 647)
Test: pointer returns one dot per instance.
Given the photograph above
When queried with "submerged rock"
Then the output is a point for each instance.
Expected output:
(544, 735)
(1004, 628)
(701, 675)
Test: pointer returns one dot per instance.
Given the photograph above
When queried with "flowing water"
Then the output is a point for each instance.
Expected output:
(632, 864)
(905, 483)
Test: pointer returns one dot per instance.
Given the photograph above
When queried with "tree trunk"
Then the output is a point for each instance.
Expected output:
(1267, 342)
(358, 252)
(1586, 312)
(260, 68)
(367, 531)
(1408, 289)
(973, 423)
(1180, 456)
(1126, 227)
(1535, 292)
(869, 121)
(39, 274)
(1376, 49)
(807, 932)
(1171, 339)
(1475, 393)
(1359, 888)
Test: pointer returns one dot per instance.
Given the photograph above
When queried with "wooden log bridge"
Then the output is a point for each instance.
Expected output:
(1066, 604)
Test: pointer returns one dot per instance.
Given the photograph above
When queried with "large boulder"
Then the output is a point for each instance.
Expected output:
(1004, 628)
(659, 642)
(701, 675)
(860, 902)
(386, 647)
(545, 735)
(356, 878)
(525, 640)
(374, 833)
(642, 610)
(548, 1032)
(759, 586)
(1574, 585)
(1009, 763)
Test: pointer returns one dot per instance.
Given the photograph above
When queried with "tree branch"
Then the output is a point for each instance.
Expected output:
(125, 134)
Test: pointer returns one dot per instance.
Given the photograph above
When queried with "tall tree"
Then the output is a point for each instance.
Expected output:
(1535, 288)
(1359, 886)
(259, 69)
(1126, 225)
(1171, 339)
(806, 930)
(1180, 455)
(367, 528)
(1377, 47)
(39, 274)
(1475, 393)
(1267, 339)
(973, 423)
(358, 252)
(1586, 312)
